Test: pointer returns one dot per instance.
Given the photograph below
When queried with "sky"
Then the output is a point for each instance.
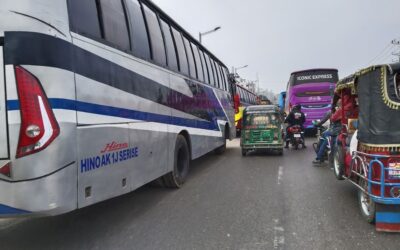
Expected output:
(277, 37)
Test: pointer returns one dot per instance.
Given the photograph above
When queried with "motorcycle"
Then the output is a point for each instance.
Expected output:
(296, 136)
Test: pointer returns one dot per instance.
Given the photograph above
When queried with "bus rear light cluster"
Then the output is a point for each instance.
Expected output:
(6, 170)
(39, 126)
(236, 103)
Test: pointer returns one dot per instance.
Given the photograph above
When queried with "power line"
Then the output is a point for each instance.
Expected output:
(382, 53)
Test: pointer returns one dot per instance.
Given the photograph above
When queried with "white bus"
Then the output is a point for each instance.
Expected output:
(99, 97)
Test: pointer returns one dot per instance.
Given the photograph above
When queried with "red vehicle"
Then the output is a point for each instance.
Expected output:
(296, 136)
(367, 152)
(242, 98)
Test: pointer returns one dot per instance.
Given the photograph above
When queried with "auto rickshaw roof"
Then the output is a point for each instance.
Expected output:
(262, 108)
(378, 103)
(346, 83)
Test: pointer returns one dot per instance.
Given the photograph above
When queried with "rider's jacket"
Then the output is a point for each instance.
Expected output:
(336, 122)
(295, 117)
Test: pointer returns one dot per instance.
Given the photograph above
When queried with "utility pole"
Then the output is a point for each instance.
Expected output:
(396, 42)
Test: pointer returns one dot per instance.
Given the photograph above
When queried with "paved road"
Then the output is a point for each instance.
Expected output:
(230, 202)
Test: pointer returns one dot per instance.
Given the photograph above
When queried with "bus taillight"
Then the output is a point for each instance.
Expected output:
(236, 103)
(6, 170)
(39, 126)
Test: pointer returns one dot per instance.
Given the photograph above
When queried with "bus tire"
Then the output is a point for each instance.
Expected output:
(220, 150)
(177, 177)
(338, 162)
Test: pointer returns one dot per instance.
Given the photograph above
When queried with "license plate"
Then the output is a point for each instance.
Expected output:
(297, 135)
(394, 170)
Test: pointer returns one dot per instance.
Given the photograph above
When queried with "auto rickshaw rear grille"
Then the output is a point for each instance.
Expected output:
(260, 136)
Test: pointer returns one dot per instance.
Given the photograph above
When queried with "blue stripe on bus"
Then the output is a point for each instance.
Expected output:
(10, 210)
(122, 113)
(387, 217)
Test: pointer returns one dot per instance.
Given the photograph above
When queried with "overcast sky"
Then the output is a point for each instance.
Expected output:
(277, 37)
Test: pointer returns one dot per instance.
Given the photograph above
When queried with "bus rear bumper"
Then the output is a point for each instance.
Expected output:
(48, 196)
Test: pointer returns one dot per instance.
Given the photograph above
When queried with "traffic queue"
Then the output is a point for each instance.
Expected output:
(358, 137)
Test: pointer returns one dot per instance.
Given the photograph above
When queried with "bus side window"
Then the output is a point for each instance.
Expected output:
(139, 37)
(170, 46)
(114, 23)
(183, 63)
(221, 83)
(223, 78)
(200, 73)
(210, 71)
(216, 74)
(189, 53)
(156, 38)
(226, 74)
(205, 66)
(84, 18)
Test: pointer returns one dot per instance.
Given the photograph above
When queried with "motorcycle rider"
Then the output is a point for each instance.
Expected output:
(335, 116)
(295, 117)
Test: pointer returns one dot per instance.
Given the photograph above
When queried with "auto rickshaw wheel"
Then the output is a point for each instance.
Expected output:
(280, 151)
(244, 152)
(366, 204)
(338, 162)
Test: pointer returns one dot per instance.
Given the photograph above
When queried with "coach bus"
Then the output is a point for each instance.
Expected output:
(242, 98)
(99, 97)
(313, 89)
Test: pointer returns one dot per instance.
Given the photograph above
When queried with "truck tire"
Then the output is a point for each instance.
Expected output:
(177, 177)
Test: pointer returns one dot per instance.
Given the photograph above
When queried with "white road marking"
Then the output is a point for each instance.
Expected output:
(279, 237)
(280, 175)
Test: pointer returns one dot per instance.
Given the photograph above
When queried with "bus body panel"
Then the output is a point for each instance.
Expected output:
(44, 182)
(313, 106)
(50, 195)
(4, 154)
(119, 116)
(143, 130)
(313, 90)
(44, 16)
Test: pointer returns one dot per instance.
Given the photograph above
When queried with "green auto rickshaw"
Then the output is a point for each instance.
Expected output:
(262, 129)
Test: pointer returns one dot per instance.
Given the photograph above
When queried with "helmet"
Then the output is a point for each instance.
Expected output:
(297, 107)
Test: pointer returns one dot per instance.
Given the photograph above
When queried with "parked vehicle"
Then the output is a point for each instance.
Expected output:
(312, 89)
(242, 98)
(367, 152)
(98, 98)
(262, 129)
